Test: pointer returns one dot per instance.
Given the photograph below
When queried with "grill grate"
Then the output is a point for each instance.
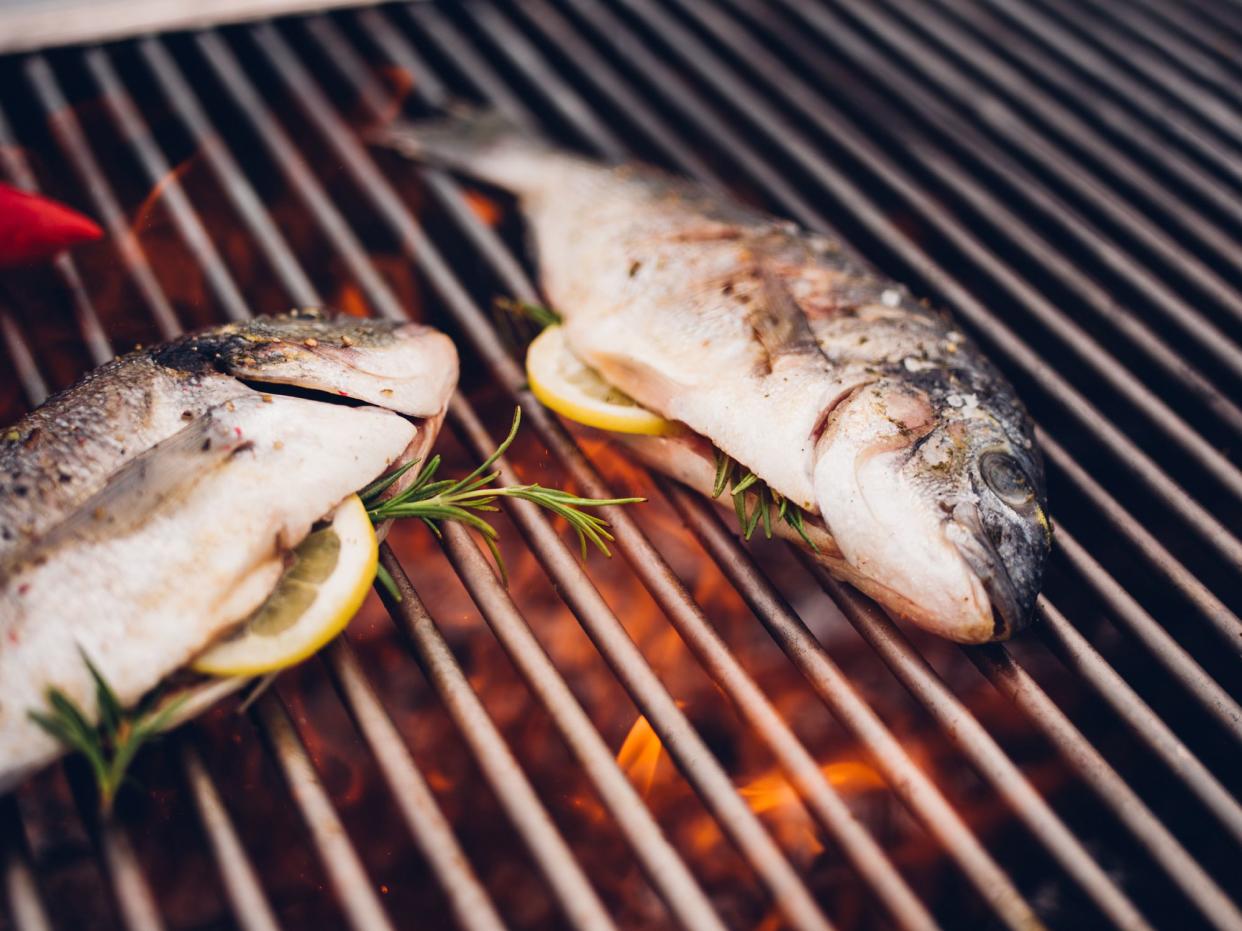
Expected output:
(1064, 178)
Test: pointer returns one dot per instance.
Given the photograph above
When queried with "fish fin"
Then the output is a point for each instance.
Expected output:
(778, 321)
(474, 142)
(166, 472)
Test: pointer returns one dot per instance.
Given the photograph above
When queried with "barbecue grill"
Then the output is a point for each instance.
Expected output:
(700, 732)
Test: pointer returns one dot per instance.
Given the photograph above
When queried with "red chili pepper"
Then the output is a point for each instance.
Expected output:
(33, 228)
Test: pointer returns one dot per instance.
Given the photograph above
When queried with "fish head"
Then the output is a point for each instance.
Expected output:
(405, 367)
(933, 490)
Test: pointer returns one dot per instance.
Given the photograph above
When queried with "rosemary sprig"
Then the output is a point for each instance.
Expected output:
(537, 314)
(767, 500)
(110, 745)
(433, 500)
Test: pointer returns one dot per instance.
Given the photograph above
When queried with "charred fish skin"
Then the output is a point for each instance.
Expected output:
(64, 451)
(827, 380)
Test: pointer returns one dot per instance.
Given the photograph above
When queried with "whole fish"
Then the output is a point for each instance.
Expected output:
(871, 412)
(149, 508)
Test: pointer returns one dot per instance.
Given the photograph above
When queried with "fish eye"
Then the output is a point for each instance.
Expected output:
(1005, 476)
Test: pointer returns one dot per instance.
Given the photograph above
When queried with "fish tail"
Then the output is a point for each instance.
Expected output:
(484, 144)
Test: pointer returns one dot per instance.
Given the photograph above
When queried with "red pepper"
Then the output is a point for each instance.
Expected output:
(33, 228)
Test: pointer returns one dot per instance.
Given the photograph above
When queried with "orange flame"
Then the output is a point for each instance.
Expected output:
(400, 84)
(142, 217)
(349, 300)
(639, 755)
(483, 207)
(772, 793)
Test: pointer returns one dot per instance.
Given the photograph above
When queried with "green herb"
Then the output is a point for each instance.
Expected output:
(110, 745)
(433, 500)
(767, 500)
(537, 314)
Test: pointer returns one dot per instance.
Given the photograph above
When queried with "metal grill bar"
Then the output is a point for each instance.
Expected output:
(131, 892)
(1197, 134)
(933, 157)
(1220, 196)
(1084, 136)
(357, 897)
(894, 27)
(504, 773)
(241, 885)
(1214, 109)
(21, 891)
(1017, 684)
(427, 825)
(987, 876)
(522, 805)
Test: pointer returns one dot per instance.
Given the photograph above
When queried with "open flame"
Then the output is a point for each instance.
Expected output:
(640, 754)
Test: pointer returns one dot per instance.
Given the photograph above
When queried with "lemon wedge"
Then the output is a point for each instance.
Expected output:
(316, 597)
(563, 382)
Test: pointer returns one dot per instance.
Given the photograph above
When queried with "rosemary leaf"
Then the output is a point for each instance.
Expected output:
(724, 472)
(386, 582)
(537, 314)
(111, 745)
(433, 501)
(765, 500)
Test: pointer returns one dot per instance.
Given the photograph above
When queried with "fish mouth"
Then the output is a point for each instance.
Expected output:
(965, 531)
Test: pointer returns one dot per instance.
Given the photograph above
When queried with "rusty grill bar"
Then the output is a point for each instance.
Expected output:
(1065, 178)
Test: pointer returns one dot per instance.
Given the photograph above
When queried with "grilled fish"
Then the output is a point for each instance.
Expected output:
(845, 395)
(149, 508)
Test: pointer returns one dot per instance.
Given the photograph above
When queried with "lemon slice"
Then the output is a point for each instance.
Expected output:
(573, 389)
(317, 596)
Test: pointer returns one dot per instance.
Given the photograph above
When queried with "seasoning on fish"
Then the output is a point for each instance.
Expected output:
(910, 455)
(150, 508)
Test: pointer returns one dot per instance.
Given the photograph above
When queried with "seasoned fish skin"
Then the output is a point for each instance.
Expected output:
(830, 382)
(64, 451)
(185, 540)
(147, 509)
